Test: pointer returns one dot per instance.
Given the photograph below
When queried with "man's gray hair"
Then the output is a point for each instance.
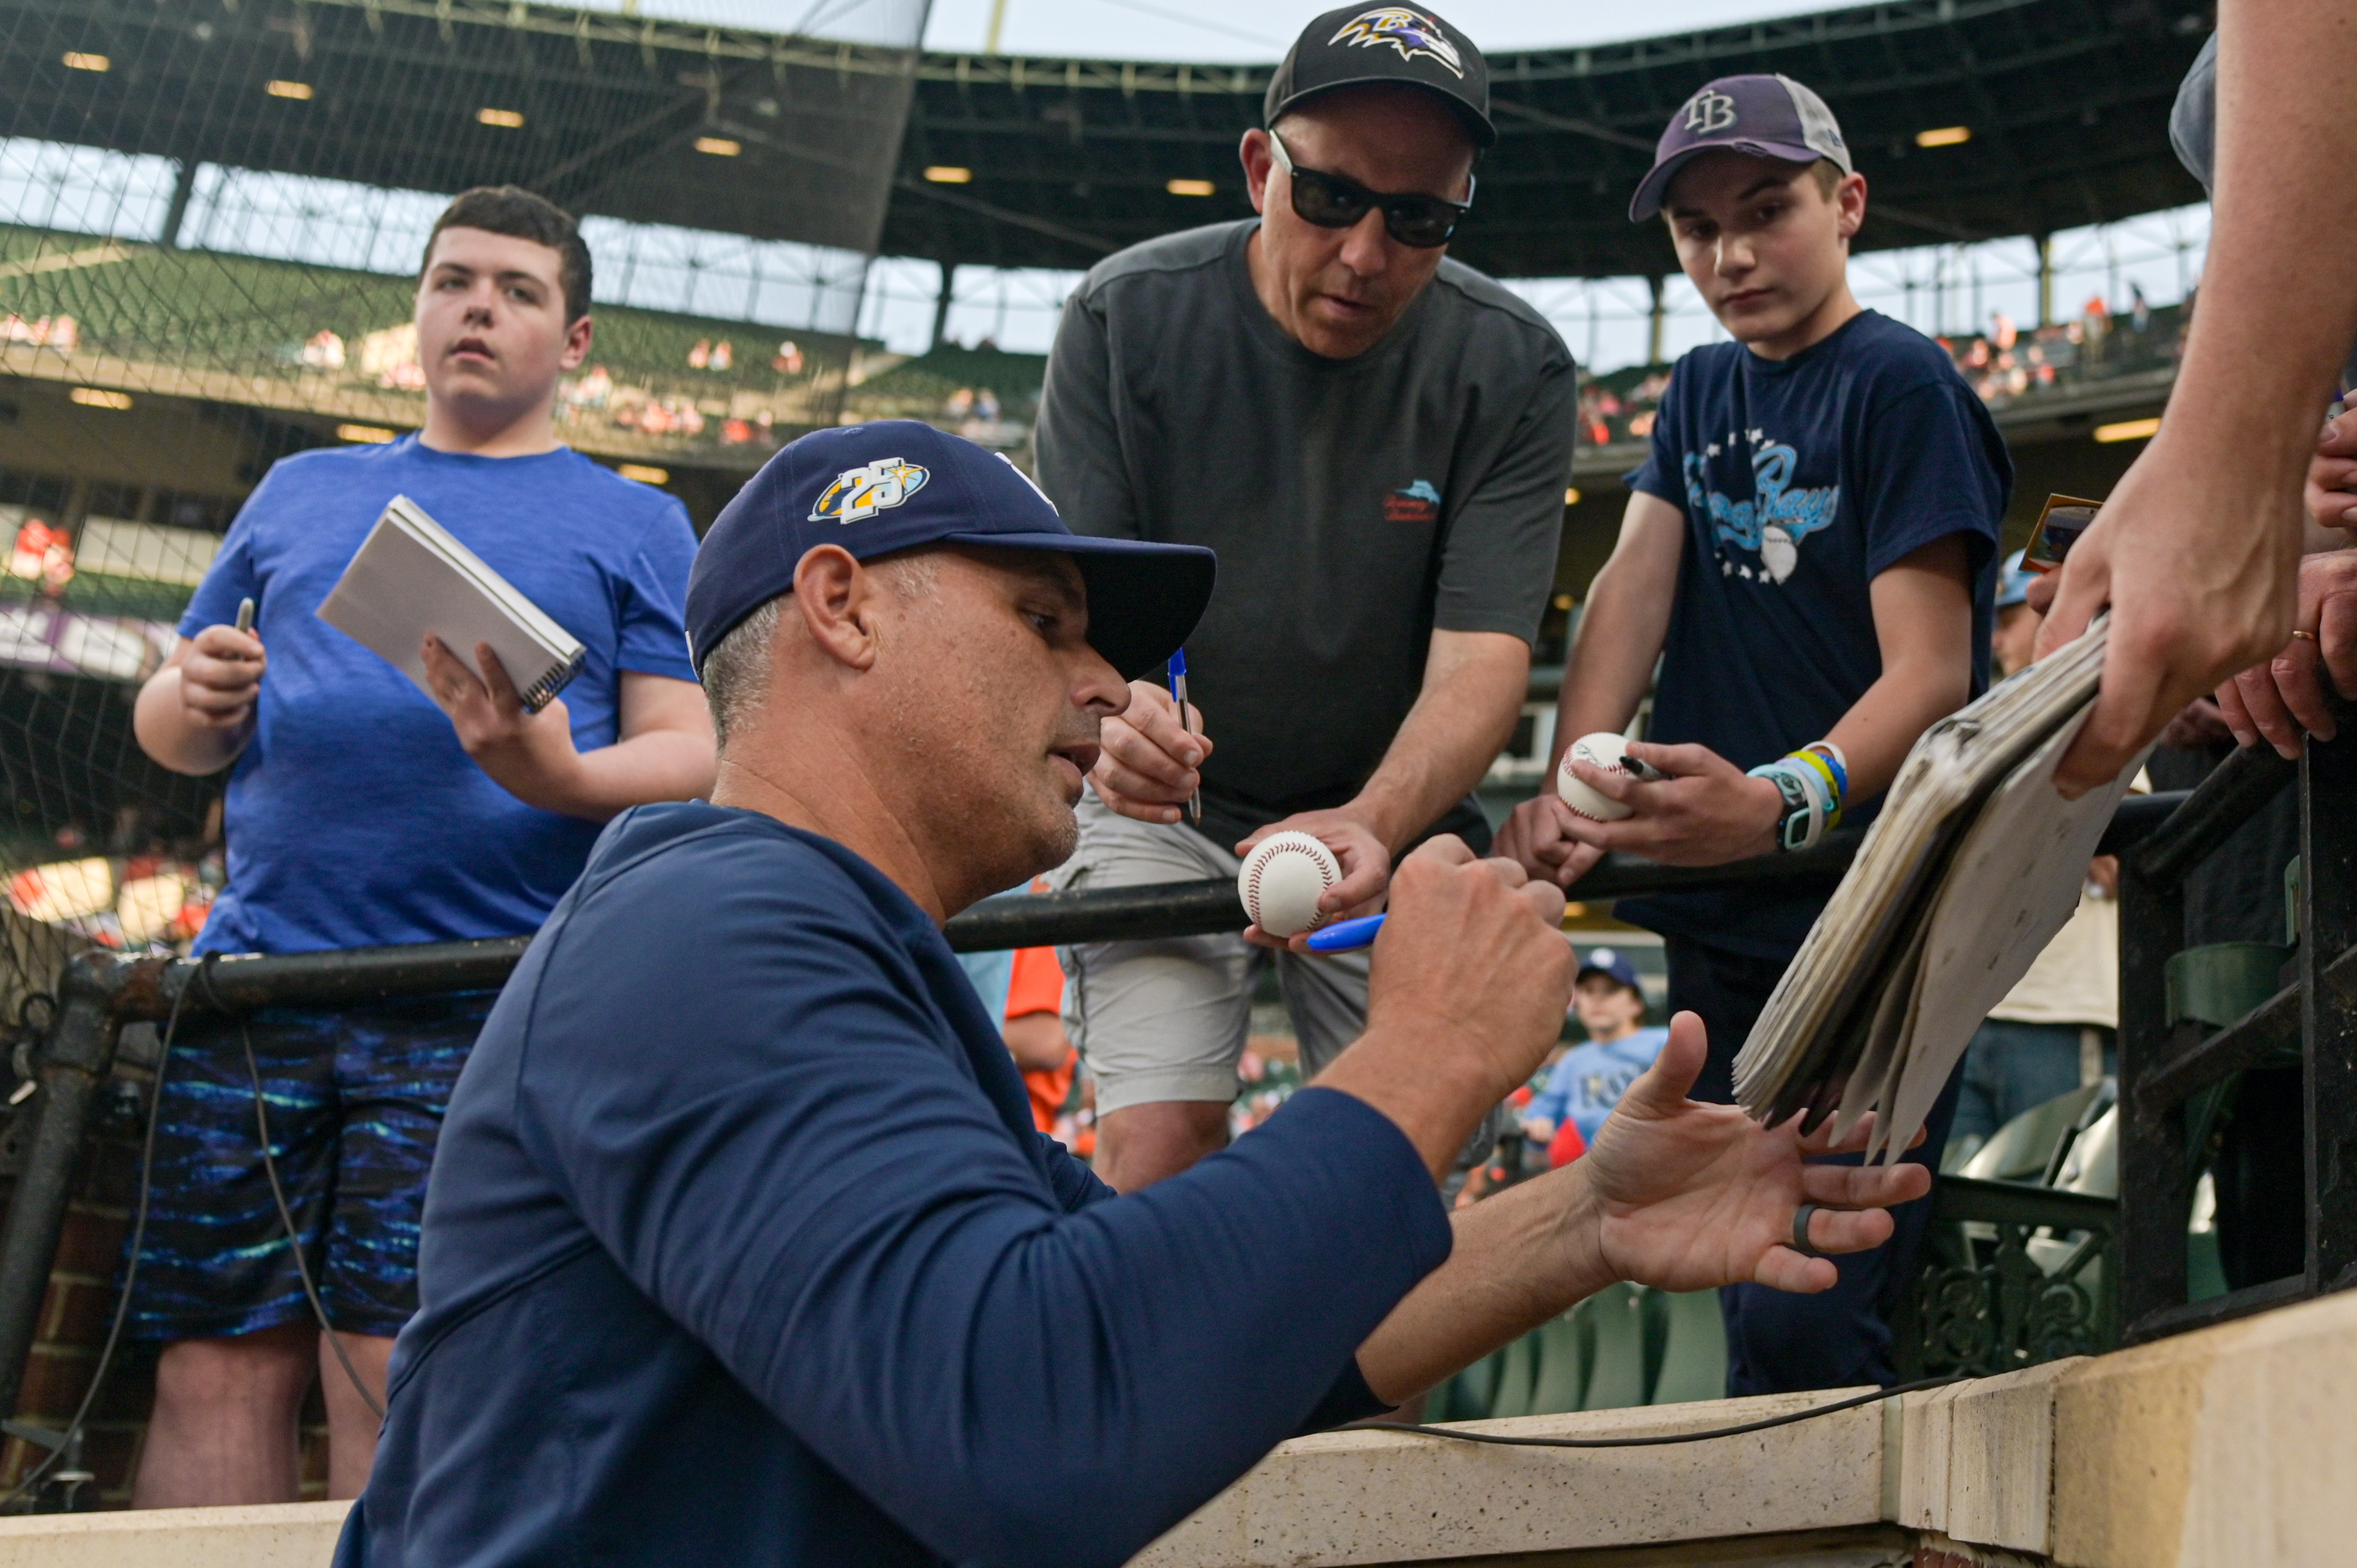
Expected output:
(737, 672)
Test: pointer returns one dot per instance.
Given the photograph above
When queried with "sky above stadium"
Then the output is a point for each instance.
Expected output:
(1173, 29)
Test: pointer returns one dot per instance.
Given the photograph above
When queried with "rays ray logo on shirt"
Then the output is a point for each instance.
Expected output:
(864, 491)
(1411, 32)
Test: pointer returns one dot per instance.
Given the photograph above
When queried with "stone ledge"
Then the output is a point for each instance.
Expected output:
(286, 1535)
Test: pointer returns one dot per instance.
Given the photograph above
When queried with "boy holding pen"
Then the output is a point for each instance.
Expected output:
(1808, 554)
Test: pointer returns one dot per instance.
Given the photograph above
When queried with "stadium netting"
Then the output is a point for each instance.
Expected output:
(211, 214)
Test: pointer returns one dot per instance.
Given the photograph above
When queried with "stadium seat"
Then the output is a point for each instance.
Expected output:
(1615, 1321)
(1562, 1381)
(1518, 1366)
(1694, 1350)
(2024, 1148)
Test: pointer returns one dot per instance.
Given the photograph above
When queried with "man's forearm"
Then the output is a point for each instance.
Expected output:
(1473, 689)
(1882, 727)
(1611, 664)
(172, 739)
(1520, 1258)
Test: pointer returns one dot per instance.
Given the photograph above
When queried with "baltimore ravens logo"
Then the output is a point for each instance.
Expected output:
(865, 492)
(1411, 32)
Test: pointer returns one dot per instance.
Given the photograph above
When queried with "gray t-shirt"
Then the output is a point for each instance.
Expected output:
(1356, 504)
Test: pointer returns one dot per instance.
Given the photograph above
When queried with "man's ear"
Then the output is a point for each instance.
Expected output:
(838, 600)
(576, 344)
(1255, 156)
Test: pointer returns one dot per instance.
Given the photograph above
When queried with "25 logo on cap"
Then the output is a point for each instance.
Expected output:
(866, 490)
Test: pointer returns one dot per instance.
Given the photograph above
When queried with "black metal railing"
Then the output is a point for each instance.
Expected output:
(2174, 1072)
(100, 992)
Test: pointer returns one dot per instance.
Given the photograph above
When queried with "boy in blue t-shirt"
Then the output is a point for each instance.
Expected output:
(1587, 1081)
(363, 812)
(1808, 552)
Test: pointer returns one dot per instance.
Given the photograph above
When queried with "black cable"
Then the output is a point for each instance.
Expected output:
(287, 1216)
(129, 1269)
(1459, 1435)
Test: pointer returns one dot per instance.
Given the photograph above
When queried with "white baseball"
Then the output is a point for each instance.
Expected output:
(1605, 750)
(1282, 880)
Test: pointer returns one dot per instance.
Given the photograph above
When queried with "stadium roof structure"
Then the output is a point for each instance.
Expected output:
(1063, 161)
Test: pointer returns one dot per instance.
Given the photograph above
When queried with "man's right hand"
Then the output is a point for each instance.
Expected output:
(1147, 768)
(1537, 838)
(220, 677)
(1470, 980)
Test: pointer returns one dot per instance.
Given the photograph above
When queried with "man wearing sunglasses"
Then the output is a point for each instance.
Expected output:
(1376, 440)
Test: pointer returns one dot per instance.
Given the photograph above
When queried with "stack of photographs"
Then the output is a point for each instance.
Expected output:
(1971, 868)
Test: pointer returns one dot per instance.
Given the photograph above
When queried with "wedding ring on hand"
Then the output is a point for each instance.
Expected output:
(2309, 635)
(1801, 1242)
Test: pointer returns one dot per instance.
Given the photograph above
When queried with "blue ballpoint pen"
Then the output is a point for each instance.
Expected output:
(1179, 694)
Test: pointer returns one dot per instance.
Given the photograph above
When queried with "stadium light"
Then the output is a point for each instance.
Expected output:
(298, 90)
(1571, 495)
(643, 473)
(75, 61)
(2128, 430)
(1563, 601)
(948, 174)
(1945, 137)
(374, 435)
(718, 146)
(506, 119)
(1189, 188)
(94, 397)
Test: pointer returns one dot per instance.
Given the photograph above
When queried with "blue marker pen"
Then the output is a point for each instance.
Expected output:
(1347, 936)
(1179, 694)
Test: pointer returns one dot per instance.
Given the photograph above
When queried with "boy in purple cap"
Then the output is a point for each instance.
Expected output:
(1808, 552)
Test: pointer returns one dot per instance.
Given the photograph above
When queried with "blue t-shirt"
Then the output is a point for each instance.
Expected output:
(740, 1248)
(1587, 1081)
(1802, 481)
(355, 818)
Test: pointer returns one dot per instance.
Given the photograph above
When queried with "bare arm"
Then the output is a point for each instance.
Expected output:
(1709, 812)
(2198, 550)
(196, 714)
(664, 750)
(1675, 1195)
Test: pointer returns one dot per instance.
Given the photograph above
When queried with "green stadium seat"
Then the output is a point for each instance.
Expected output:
(1518, 1366)
(2023, 1149)
(1562, 1381)
(1616, 1373)
(1693, 1351)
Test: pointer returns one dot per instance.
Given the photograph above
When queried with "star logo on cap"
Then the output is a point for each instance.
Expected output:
(865, 490)
(1411, 32)
(1708, 111)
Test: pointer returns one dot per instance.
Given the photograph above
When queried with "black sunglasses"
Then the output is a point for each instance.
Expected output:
(1332, 201)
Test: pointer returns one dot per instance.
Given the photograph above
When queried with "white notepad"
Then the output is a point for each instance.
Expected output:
(1971, 868)
(410, 578)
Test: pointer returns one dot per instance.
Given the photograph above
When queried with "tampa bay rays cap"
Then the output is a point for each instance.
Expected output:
(1358, 45)
(1766, 117)
(1613, 965)
(2013, 580)
(896, 484)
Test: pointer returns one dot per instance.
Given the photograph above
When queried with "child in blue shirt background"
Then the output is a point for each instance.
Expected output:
(1587, 1081)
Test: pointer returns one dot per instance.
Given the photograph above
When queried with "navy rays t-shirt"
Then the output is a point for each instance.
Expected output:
(1802, 479)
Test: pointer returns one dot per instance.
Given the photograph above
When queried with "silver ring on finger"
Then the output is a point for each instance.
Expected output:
(1801, 1242)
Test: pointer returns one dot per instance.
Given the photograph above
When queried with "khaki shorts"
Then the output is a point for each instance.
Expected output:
(1166, 1019)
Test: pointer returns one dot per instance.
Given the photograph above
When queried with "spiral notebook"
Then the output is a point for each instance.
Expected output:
(410, 578)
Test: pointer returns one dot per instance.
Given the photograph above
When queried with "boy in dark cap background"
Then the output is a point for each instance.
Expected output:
(1376, 441)
(1808, 554)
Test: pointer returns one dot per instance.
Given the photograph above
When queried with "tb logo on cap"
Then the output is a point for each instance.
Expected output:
(868, 489)
(1709, 110)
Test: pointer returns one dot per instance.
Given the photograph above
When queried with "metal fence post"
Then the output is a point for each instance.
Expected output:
(2153, 1195)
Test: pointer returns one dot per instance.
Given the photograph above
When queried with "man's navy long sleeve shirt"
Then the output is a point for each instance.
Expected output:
(740, 1248)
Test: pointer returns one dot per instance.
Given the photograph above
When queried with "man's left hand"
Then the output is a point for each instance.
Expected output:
(530, 755)
(1366, 868)
(1707, 812)
(1689, 1196)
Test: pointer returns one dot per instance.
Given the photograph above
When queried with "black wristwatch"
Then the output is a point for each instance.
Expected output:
(1792, 827)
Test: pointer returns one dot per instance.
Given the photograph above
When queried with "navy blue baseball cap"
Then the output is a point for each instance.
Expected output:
(896, 484)
(1605, 961)
(1766, 117)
